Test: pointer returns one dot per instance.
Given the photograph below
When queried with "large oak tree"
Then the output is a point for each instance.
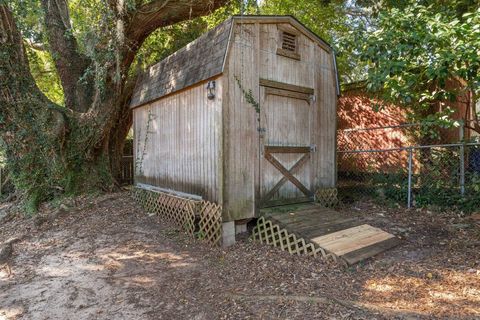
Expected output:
(53, 149)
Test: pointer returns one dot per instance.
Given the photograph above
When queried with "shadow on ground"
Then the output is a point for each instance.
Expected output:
(106, 259)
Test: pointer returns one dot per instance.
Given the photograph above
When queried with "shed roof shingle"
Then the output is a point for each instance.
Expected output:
(199, 60)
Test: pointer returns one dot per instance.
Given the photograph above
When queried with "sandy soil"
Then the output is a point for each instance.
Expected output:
(103, 258)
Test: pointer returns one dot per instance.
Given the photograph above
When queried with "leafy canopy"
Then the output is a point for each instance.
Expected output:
(414, 53)
(407, 50)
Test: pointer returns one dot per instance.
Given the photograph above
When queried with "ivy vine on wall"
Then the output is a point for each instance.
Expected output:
(141, 156)
(248, 95)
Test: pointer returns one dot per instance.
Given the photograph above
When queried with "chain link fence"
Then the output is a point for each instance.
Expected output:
(399, 136)
(442, 175)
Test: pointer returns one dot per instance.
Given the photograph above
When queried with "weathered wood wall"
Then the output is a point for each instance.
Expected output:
(252, 56)
(315, 69)
(287, 121)
(213, 148)
(178, 142)
(240, 135)
(325, 120)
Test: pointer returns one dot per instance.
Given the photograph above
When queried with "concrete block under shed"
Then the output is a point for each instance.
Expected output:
(228, 233)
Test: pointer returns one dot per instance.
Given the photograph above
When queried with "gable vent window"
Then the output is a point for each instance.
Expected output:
(289, 42)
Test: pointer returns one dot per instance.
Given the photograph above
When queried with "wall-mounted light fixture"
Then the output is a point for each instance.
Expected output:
(211, 90)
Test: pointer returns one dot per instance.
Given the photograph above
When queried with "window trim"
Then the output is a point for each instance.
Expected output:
(284, 52)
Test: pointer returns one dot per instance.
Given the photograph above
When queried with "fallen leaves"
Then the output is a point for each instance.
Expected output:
(116, 260)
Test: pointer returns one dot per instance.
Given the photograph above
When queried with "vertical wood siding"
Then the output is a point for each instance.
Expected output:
(325, 120)
(287, 121)
(283, 69)
(253, 55)
(181, 149)
(314, 70)
(213, 148)
(240, 135)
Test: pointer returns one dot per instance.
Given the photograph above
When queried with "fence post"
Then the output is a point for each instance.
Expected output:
(462, 157)
(409, 195)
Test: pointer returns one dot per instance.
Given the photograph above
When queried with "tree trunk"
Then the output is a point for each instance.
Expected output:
(50, 149)
(53, 150)
(78, 94)
(117, 142)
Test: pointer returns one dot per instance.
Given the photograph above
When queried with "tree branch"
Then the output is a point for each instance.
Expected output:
(161, 13)
(19, 95)
(71, 65)
(16, 81)
(35, 45)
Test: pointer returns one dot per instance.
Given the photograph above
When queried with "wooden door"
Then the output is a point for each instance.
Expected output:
(285, 145)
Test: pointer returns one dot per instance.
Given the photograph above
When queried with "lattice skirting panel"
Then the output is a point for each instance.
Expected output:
(210, 223)
(327, 197)
(267, 232)
(183, 213)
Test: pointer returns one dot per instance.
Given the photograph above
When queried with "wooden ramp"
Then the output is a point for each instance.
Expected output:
(340, 234)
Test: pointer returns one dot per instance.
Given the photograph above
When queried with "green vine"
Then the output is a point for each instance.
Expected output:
(248, 95)
(139, 159)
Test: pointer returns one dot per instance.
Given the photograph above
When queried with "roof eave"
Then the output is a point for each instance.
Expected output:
(285, 18)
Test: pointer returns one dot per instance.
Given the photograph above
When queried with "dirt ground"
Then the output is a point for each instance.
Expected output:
(104, 258)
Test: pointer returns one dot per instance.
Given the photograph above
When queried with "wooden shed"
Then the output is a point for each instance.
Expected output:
(244, 116)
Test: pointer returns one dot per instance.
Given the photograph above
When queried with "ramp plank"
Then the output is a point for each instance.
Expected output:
(338, 233)
(367, 252)
(342, 235)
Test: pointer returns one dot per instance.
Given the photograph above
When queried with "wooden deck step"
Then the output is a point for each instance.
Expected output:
(339, 233)
(357, 243)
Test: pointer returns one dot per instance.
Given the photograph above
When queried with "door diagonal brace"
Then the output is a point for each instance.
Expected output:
(287, 175)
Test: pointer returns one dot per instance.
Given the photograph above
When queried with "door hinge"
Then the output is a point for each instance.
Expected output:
(313, 98)
(313, 148)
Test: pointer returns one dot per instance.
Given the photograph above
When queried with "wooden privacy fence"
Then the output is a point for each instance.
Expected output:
(198, 218)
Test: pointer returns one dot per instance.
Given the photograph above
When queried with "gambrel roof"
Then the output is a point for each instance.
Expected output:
(200, 60)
